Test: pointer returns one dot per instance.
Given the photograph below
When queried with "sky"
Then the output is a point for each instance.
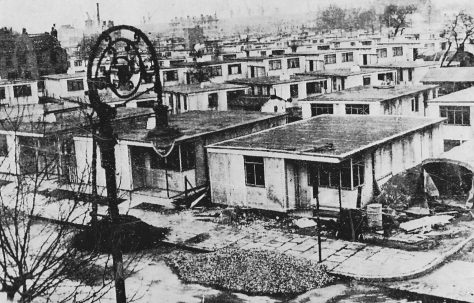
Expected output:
(39, 15)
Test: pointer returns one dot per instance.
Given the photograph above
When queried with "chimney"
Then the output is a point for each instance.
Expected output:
(98, 14)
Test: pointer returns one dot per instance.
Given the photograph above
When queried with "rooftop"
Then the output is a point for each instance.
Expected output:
(198, 123)
(201, 87)
(344, 135)
(465, 95)
(273, 80)
(345, 72)
(450, 74)
(371, 93)
(16, 81)
(403, 64)
(64, 76)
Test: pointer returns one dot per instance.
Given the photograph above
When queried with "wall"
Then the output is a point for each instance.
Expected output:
(10, 97)
(58, 88)
(286, 181)
(9, 164)
(453, 132)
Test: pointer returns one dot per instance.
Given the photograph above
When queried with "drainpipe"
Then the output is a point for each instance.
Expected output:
(375, 186)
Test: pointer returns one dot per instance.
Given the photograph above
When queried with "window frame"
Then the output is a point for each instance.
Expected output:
(452, 112)
(274, 64)
(231, 66)
(3, 93)
(330, 59)
(3, 145)
(357, 109)
(166, 74)
(251, 164)
(382, 52)
(321, 109)
(74, 85)
(397, 51)
(22, 90)
(293, 63)
(348, 57)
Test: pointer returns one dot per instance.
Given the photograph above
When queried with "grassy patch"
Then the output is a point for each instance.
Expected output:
(250, 271)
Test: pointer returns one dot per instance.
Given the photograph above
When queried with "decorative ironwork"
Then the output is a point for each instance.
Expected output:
(121, 60)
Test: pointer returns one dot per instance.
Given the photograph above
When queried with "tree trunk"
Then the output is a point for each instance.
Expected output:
(94, 181)
(446, 54)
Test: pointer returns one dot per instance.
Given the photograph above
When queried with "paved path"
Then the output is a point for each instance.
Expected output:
(350, 259)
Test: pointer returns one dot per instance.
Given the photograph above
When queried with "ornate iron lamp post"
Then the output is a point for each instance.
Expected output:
(121, 48)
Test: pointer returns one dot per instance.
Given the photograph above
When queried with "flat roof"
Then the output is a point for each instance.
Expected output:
(201, 88)
(402, 64)
(15, 81)
(273, 80)
(371, 93)
(345, 135)
(346, 72)
(198, 123)
(64, 76)
(461, 96)
(450, 74)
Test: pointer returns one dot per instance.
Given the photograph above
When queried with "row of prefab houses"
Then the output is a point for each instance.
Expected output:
(348, 144)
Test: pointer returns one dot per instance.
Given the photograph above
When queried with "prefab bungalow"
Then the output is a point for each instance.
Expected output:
(294, 87)
(18, 92)
(169, 162)
(201, 96)
(372, 100)
(342, 79)
(458, 109)
(59, 86)
(450, 79)
(344, 157)
(407, 71)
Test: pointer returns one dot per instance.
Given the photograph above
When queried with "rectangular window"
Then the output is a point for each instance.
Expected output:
(214, 71)
(2, 93)
(323, 47)
(366, 81)
(321, 109)
(330, 59)
(275, 64)
(366, 42)
(263, 53)
(410, 75)
(213, 100)
(382, 53)
(294, 91)
(347, 57)
(185, 102)
(21, 91)
(415, 107)
(230, 56)
(75, 85)
(3, 146)
(314, 88)
(457, 115)
(357, 109)
(254, 171)
(77, 62)
(170, 75)
(328, 174)
(234, 69)
(294, 63)
(397, 51)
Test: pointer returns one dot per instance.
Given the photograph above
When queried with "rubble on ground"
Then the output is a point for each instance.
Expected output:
(250, 271)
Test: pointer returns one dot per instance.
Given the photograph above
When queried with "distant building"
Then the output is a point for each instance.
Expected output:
(372, 100)
(193, 36)
(51, 57)
(18, 92)
(59, 86)
(17, 56)
(208, 23)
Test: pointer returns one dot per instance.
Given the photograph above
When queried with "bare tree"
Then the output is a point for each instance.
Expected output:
(36, 255)
(396, 16)
(458, 30)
